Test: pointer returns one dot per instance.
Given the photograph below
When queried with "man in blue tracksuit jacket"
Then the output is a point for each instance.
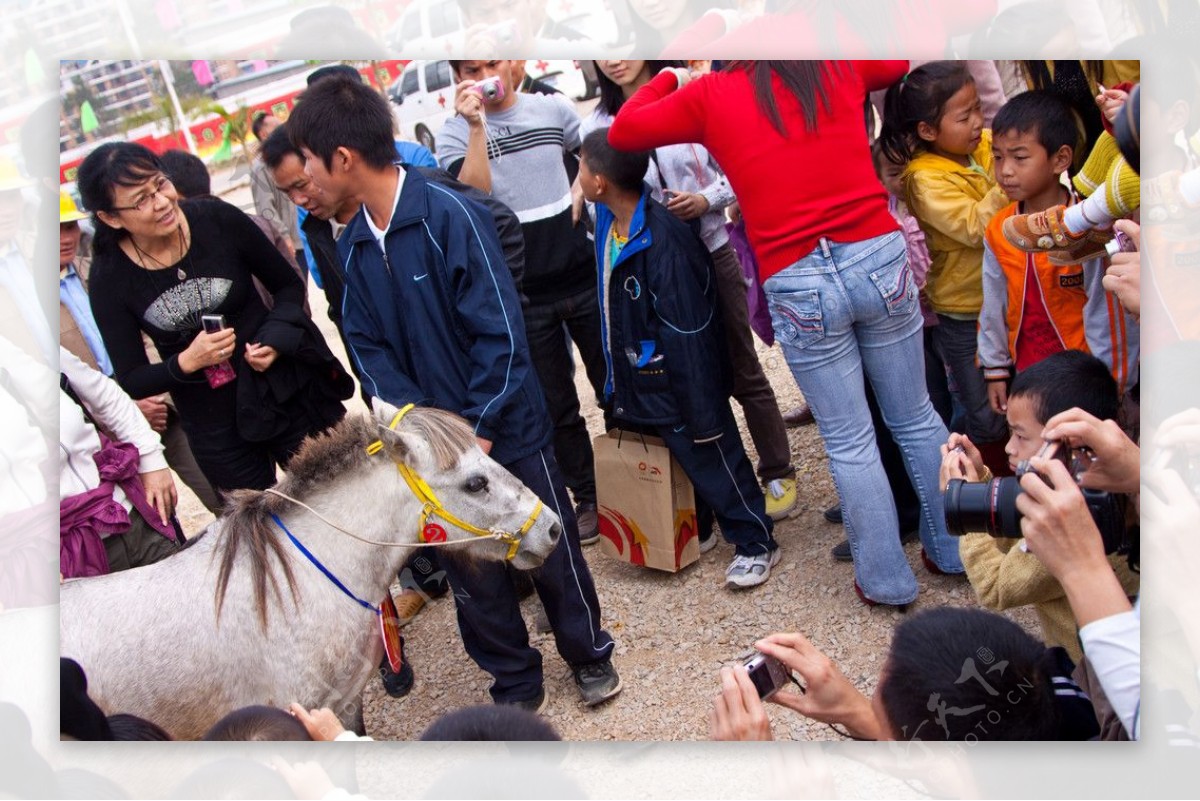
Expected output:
(432, 317)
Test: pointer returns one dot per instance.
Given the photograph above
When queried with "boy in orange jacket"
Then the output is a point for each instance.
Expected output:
(1034, 306)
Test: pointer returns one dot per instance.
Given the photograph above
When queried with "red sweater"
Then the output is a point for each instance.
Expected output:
(793, 190)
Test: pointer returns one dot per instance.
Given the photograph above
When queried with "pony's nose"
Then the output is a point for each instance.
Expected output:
(555, 533)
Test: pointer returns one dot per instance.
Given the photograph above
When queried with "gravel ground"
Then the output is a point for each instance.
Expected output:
(673, 631)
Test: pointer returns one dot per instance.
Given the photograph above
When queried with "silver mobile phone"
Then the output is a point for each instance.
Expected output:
(212, 322)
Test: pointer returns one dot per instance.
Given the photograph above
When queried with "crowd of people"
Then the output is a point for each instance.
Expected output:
(940, 277)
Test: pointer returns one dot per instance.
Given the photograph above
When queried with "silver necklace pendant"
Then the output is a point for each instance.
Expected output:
(181, 274)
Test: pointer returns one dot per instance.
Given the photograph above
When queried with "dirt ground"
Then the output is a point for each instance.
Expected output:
(673, 631)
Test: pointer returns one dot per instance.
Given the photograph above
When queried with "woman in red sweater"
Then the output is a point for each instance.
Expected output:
(791, 138)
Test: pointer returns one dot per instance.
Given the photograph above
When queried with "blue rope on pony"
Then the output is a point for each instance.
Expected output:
(317, 563)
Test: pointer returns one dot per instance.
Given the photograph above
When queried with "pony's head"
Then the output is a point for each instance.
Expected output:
(466, 494)
(427, 457)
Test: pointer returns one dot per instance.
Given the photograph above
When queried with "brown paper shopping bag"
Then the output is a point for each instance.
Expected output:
(645, 501)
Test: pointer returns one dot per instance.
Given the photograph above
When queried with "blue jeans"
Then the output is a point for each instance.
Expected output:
(842, 311)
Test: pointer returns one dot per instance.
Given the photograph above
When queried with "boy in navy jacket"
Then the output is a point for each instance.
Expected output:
(432, 317)
(667, 365)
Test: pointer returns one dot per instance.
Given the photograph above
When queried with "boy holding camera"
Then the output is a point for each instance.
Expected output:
(512, 146)
(1036, 304)
(1003, 573)
(668, 369)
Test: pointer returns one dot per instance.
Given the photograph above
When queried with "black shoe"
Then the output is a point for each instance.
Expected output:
(397, 685)
(535, 704)
(588, 522)
(834, 514)
(597, 682)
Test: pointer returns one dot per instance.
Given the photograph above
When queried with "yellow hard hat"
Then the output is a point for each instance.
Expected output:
(67, 210)
(10, 175)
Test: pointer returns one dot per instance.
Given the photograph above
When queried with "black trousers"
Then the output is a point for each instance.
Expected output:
(489, 613)
(230, 462)
(550, 350)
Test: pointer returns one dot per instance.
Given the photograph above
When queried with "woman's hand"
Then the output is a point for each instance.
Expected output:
(260, 357)
(160, 492)
(686, 205)
(208, 350)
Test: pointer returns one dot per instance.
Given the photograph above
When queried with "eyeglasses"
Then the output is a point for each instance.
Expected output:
(161, 184)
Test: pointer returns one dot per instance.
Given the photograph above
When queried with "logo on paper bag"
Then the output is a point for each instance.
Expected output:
(625, 535)
(685, 531)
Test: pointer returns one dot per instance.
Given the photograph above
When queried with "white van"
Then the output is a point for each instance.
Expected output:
(424, 99)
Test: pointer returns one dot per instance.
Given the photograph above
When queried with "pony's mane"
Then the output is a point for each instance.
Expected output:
(321, 458)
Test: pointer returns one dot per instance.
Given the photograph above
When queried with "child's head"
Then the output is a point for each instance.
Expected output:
(1033, 141)
(935, 107)
(889, 172)
(605, 172)
(257, 724)
(1067, 380)
(490, 722)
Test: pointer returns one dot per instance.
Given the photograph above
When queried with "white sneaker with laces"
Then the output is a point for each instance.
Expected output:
(750, 571)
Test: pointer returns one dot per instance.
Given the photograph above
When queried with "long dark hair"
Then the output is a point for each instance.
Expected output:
(918, 97)
(111, 165)
(806, 80)
(611, 96)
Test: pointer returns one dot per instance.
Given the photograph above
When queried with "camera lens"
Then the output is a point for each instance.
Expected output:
(989, 506)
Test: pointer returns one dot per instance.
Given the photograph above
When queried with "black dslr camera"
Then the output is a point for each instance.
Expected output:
(991, 506)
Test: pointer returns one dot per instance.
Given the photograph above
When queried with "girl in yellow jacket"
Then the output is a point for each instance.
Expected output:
(933, 121)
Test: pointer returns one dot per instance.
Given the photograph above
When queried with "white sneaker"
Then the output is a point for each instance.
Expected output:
(710, 543)
(750, 571)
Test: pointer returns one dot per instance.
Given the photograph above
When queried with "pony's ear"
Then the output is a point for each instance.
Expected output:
(404, 447)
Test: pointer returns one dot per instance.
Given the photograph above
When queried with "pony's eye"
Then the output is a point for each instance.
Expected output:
(476, 484)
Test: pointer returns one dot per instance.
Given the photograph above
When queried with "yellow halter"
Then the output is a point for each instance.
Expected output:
(432, 507)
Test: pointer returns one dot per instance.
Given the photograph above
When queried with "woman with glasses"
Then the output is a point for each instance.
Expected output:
(250, 384)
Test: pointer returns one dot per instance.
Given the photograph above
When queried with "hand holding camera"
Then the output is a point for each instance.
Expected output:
(960, 459)
(827, 695)
(1115, 458)
(1058, 529)
(738, 713)
(468, 103)
(1124, 274)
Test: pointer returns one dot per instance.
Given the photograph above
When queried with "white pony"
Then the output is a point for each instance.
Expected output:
(241, 616)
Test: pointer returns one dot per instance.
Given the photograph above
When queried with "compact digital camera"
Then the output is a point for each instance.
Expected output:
(490, 89)
(767, 673)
